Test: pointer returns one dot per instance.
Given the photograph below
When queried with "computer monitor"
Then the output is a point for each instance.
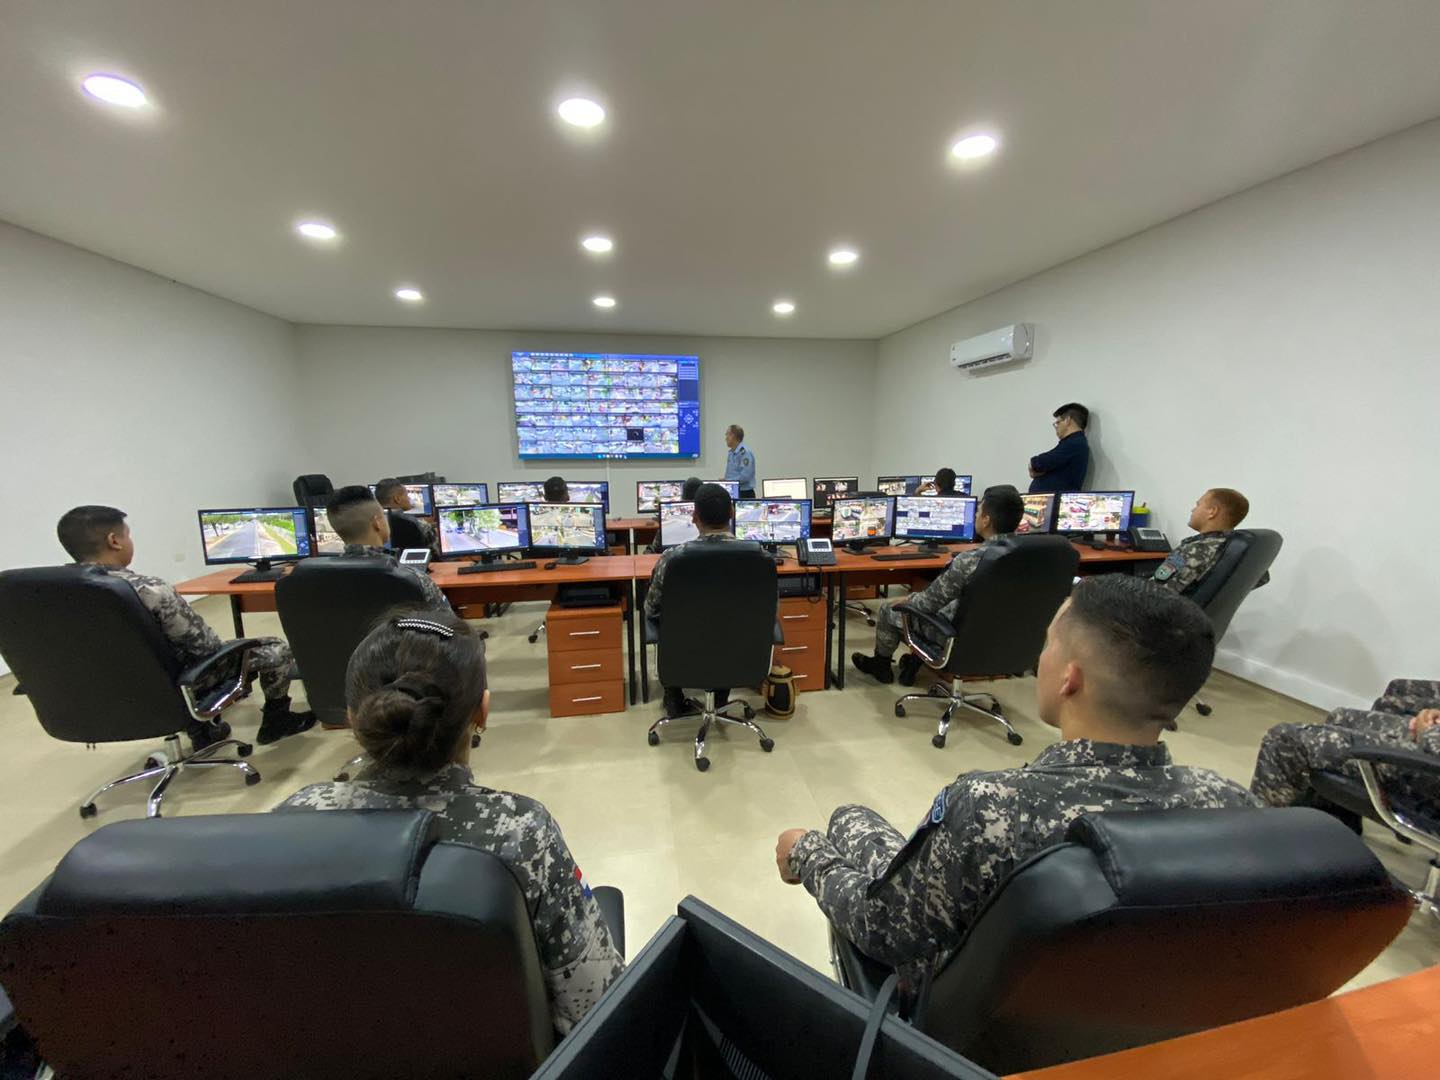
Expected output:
(569, 528)
(732, 486)
(420, 501)
(773, 521)
(1080, 512)
(962, 483)
(677, 523)
(260, 535)
(898, 485)
(590, 491)
(829, 488)
(863, 521)
(520, 491)
(784, 489)
(323, 539)
(1039, 516)
(460, 494)
(934, 517)
(483, 530)
(649, 494)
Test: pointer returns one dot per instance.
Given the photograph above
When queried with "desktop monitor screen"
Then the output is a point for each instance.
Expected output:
(649, 494)
(677, 523)
(567, 526)
(732, 486)
(277, 533)
(897, 485)
(486, 529)
(773, 521)
(590, 491)
(420, 501)
(323, 539)
(829, 488)
(1039, 514)
(934, 517)
(460, 494)
(784, 489)
(962, 484)
(520, 491)
(1093, 511)
(870, 519)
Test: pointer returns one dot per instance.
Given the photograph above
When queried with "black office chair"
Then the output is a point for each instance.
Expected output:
(718, 613)
(1143, 926)
(998, 627)
(1242, 568)
(405, 532)
(211, 945)
(97, 669)
(312, 489)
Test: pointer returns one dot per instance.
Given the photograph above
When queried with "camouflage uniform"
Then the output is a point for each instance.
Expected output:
(908, 903)
(192, 638)
(577, 955)
(939, 597)
(1290, 752)
(1186, 566)
(434, 598)
(657, 576)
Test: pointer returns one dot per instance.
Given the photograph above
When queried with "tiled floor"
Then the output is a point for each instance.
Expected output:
(640, 817)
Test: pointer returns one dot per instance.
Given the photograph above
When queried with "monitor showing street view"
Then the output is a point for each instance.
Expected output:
(862, 520)
(590, 491)
(567, 526)
(897, 485)
(677, 523)
(460, 494)
(325, 540)
(1093, 511)
(235, 536)
(649, 494)
(467, 530)
(520, 491)
(1039, 513)
(732, 486)
(934, 517)
(773, 521)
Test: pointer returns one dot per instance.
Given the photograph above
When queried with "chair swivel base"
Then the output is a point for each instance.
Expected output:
(164, 770)
(955, 698)
(709, 715)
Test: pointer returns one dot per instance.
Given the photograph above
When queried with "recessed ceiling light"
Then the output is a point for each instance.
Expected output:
(783, 307)
(843, 256)
(974, 146)
(604, 301)
(409, 295)
(115, 90)
(316, 230)
(582, 112)
(597, 244)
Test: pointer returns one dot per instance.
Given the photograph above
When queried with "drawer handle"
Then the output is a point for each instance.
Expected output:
(794, 648)
(788, 618)
(578, 700)
(797, 678)
(584, 633)
(585, 667)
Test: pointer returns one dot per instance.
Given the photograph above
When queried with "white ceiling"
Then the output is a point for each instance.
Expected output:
(745, 136)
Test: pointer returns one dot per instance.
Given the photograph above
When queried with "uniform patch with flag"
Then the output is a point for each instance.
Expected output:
(584, 884)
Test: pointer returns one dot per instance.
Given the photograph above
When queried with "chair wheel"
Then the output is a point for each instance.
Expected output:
(534, 638)
(899, 709)
(341, 778)
(251, 779)
(767, 745)
(653, 738)
(997, 710)
(154, 761)
(245, 749)
(937, 741)
(1203, 709)
(1015, 738)
(88, 810)
(749, 713)
(702, 763)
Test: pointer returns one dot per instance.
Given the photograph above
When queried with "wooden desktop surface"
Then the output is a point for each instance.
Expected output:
(1389, 1030)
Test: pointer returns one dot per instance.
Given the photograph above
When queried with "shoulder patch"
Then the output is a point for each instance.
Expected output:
(1165, 572)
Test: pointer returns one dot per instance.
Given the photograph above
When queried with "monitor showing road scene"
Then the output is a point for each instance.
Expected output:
(934, 517)
(273, 532)
(420, 502)
(460, 494)
(1039, 513)
(677, 523)
(590, 491)
(471, 530)
(829, 488)
(649, 494)
(863, 519)
(773, 521)
(567, 526)
(897, 485)
(323, 539)
(732, 486)
(1093, 511)
(520, 491)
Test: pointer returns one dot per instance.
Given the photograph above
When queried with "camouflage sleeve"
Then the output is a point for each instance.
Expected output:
(1187, 564)
(654, 548)
(1408, 696)
(945, 589)
(1430, 741)
(657, 577)
(434, 598)
(181, 624)
(427, 530)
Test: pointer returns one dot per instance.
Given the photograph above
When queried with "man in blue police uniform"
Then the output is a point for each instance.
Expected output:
(1063, 469)
(740, 462)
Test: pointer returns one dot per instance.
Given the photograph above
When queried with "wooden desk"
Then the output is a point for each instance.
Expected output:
(1388, 1030)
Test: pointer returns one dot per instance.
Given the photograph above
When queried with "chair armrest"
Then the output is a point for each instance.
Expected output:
(942, 629)
(650, 631)
(612, 909)
(1408, 760)
(860, 973)
(228, 654)
(924, 648)
(19, 691)
(778, 637)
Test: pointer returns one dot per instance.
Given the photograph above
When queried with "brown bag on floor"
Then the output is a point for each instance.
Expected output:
(779, 691)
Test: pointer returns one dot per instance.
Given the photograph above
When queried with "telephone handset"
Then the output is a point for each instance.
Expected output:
(816, 551)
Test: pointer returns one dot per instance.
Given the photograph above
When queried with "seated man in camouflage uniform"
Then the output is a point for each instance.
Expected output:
(1215, 515)
(687, 492)
(713, 512)
(1406, 717)
(99, 536)
(358, 519)
(416, 690)
(997, 516)
(1122, 658)
(394, 497)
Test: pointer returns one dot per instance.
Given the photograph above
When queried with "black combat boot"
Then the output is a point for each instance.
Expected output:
(909, 667)
(277, 721)
(205, 733)
(877, 667)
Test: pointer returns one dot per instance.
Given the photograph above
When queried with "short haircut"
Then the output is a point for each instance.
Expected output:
(556, 490)
(1157, 645)
(1075, 411)
(413, 686)
(350, 509)
(738, 431)
(82, 531)
(387, 488)
(1234, 505)
(690, 487)
(945, 481)
(1005, 507)
(713, 506)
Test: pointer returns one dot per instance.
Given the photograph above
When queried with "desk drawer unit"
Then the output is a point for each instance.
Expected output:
(586, 665)
(586, 629)
(587, 660)
(587, 698)
(802, 615)
(803, 652)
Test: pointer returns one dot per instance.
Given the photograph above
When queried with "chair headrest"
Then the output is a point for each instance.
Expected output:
(1213, 856)
(245, 864)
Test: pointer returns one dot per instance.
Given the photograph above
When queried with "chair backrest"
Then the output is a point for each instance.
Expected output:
(326, 608)
(1247, 556)
(312, 489)
(1001, 618)
(717, 615)
(89, 655)
(1147, 925)
(333, 943)
(405, 531)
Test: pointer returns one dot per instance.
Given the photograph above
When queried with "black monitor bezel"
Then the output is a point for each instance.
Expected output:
(604, 530)
(817, 479)
(247, 559)
(942, 537)
(785, 479)
(1055, 516)
(868, 541)
(435, 505)
(917, 477)
(806, 518)
(639, 509)
(1049, 529)
(481, 553)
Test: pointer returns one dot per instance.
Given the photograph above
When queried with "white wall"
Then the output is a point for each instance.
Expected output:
(381, 401)
(1285, 341)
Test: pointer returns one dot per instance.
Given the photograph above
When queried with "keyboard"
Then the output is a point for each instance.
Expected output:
(491, 567)
(900, 556)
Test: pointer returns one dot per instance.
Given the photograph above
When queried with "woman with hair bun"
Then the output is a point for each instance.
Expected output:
(415, 691)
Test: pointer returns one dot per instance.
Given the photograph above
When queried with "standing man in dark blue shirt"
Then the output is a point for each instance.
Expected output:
(739, 461)
(1063, 469)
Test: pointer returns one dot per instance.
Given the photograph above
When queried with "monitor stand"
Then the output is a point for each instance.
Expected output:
(264, 571)
(931, 547)
(572, 560)
(855, 547)
(773, 550)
